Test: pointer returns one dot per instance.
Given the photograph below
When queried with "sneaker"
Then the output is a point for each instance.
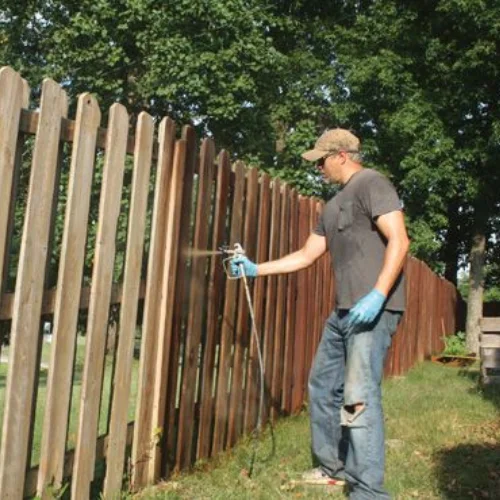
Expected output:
(320, 477)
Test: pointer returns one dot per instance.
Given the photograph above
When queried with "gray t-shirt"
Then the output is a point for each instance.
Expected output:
(356, 245)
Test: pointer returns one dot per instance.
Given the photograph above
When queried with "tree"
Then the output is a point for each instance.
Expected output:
(424, 86)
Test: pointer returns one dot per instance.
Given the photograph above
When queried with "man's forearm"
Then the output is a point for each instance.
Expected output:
(288, 264)
(394, 259)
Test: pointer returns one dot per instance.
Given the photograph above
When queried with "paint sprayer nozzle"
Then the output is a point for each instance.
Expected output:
(232, 252)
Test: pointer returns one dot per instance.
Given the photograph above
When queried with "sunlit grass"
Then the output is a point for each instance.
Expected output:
(443, 441)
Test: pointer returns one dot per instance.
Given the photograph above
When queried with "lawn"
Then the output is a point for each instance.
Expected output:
(443, 441)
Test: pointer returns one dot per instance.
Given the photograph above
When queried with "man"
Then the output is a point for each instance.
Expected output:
(363, 227)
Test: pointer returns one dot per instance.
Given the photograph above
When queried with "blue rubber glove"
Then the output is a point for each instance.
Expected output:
(237, 263)
(365, 310)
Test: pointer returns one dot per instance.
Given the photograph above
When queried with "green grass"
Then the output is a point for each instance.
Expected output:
(75, 400)
(443, 441)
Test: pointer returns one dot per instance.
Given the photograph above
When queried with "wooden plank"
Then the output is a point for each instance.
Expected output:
(214, 306)
(252, 393)
(291, 296)
(490, 357)
(301, 315)
(71, 264)
(128, 311)
(28, 295)
(167, 307)
(272, 285)
(243, 329)
(181, 294)
(198, 295)
(318, 295)
(49, 300)
(60, 373)
(176, 241)
(422, 317)
(13, 97)
(490, 325)
(413, 305)
(228, 322)
(143, 440)
(280, 320)
(312, 301)
(488, 340)
(29, 123)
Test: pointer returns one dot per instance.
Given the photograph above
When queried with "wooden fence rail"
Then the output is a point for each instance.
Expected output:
(102, 225)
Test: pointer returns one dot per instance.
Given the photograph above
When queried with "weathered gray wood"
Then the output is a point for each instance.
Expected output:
(490, 340)
(143, 440)
(490, 357)
(71, 264)
(59, 381)
(49, 300)
(128, 311)
(490, 325)
(29, 292)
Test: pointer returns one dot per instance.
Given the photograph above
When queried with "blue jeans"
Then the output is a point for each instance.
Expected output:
(347, 371)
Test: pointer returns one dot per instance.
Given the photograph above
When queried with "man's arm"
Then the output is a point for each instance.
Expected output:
(392, 226)
(314, 248)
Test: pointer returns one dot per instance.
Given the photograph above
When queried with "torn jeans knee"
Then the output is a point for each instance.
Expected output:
(350, 415)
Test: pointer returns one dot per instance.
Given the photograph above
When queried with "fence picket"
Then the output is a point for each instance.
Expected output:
(181, 294)
(13, 97)
(165, 387)
(129, 305)
(243, 328)
(272, 285)
(291, 309)
(195, 316)
(59, 382)
(215, 302)
(28, 295)
(143, 440)
(72, 260)
(169, 277)
(229, 318)
(301, 313)
(280, 310)
(252, 393)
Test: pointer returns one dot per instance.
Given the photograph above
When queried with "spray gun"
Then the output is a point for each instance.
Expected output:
(229, 254)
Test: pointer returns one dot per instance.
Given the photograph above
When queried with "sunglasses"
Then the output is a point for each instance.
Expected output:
(321, 162)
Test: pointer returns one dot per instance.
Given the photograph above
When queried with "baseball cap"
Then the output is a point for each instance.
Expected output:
(336, 139)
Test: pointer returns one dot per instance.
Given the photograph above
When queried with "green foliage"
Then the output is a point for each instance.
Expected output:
(455, 345)
(419, 81)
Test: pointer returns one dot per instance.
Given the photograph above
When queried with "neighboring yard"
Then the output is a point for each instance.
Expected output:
(443, 441)
(75, 400)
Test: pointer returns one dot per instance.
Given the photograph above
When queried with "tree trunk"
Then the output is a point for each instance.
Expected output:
(451, 248)
(475, 299)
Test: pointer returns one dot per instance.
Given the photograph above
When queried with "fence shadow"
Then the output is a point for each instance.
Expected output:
(469, 471)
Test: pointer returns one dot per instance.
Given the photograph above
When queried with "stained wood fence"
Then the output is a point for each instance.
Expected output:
(194, 390)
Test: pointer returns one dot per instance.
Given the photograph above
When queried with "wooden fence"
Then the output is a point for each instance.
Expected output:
(194, 390)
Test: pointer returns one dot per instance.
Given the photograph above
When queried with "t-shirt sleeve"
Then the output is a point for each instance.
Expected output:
(380, 197)
(320, 227)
